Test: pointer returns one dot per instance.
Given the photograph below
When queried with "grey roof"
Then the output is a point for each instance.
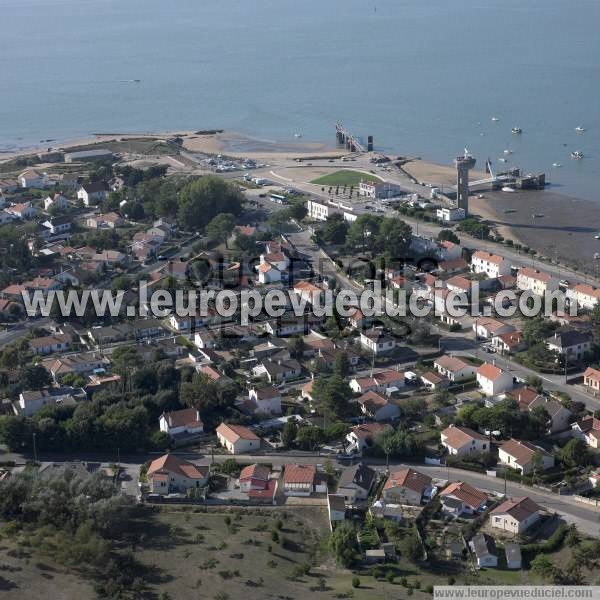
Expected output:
(566, 338)
(359, 475)
(337, 502)
(483, 545)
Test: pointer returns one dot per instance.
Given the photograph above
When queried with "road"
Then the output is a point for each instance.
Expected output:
(586, 517)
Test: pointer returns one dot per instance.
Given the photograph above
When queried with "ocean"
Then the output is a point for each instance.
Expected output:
(424, 77)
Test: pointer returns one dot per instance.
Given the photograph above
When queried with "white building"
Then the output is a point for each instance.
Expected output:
(538, 282)
(451, 214)
(32, 179)
(492, 380)
(237, 439)
(586, 296)
(454, 368)
(92, 193)
(317, 211)
(377, 341)
(492, 265)
(462, 440)
(181, 422)
(525, 457)
(379, 189)
(267, 400)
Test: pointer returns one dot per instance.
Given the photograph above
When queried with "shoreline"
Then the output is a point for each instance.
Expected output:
(567, 223)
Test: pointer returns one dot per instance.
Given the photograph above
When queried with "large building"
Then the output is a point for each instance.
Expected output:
(379, 189)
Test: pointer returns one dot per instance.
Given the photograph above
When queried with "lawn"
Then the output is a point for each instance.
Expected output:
(345, 177)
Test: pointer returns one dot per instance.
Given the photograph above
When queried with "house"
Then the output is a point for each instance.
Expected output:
(493, 380)
(387, 382)
(571, 344)
(92, 193)
(559, 416)
(586, 296)
(513, 555)
(467, 499)
(358, 320)
(377, 341)
(459, 285)
(237, 439)
(58, 225)
(538, 282)
(594, 478)
(486, 327)
(254, 477)
(277, 259)
(379, 189)
(31, 178)
(489, 264)
(524, 456)
(303, 480)
(309, 292)
(510, 342)
(377, 407)
(110, 220)
(278, 371)
(177, 423)
(434, 381)
(267, 400)
(588, 430)
(56, 201)
(460, 441)
(355, 483)
(449, 250)
(484, 549)
(268, 273)
(171, 474)
(515, 515)
(454, 368)
(363, 436)
(450, 214)
(407, 486)
(591, 379)
(30, 402)
(58, 342)
(76, 364)
(23, 210)
(457, 265)
(318, 211)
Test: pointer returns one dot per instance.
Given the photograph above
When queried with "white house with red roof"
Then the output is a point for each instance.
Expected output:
(588, 430)
(181, 422)
(407, 486)
(493, 380)
(237, 439)
(460, 497)
(169, 474)
(585, 295)
(462, 440)
(454, 368)
(591, 379)
(538, 282)
(303, 480)
(364, 435)
(377, 407)
(524, 456)
(383, 382)
(492, 265)
(488, 328)
(515, 515)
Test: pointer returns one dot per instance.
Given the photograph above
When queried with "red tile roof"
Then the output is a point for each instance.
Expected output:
(408, 478)
(299, 474)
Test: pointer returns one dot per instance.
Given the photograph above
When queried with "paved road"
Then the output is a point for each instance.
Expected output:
(586, 517)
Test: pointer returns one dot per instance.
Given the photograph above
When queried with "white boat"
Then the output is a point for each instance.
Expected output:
(517, 130)
(297, 135)
(507, 188)
(556, 165)
(501, 159)
(495, 119)
(508, 151)
(577, 154)
(579, 129)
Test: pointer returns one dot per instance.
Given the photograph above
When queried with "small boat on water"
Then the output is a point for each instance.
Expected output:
(494, 119)
(502, 159)
(517, 130)
(297, 135)
(508, 151)
(579, 129)
(556, 165)
(576, 154)
(507, 188)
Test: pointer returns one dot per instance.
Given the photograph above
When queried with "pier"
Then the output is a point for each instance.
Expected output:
(350, 141)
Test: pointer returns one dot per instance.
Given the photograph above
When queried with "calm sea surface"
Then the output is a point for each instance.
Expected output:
(423, 76)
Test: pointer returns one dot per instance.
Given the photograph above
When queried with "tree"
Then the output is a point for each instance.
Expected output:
(542, 566)
(536, 330)
(394, 239)
(574, 453)
(447, 235)
(34, 377)
(289, 433)
(344, 545)
(334, 230)
(387, 442)
(333, 395)
(596, 322)
(220, 228)
(203, 199)
(341, 365)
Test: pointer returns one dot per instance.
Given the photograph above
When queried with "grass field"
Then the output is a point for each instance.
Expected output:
(345, 177)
